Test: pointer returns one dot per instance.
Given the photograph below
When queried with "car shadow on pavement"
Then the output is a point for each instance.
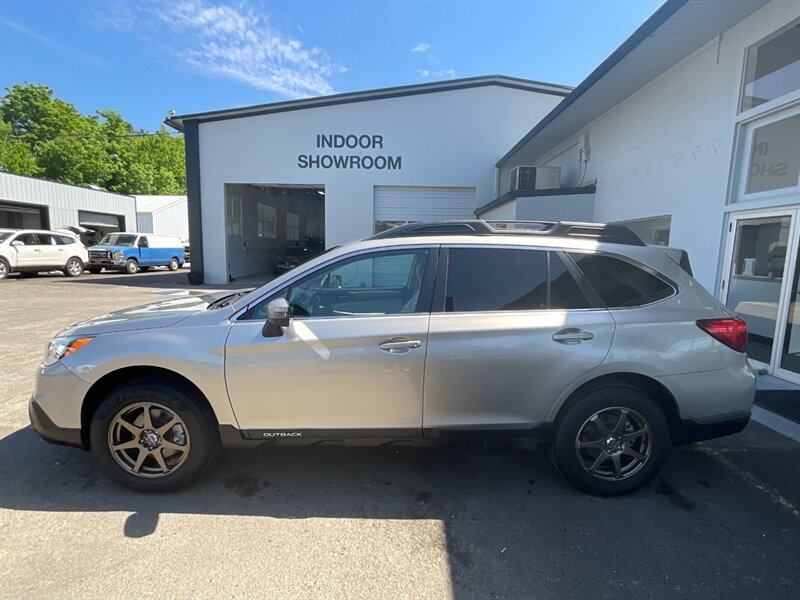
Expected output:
(513, 527)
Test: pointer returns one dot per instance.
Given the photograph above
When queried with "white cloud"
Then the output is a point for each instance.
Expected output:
(443, 74)
(235, 40)
(423, 47)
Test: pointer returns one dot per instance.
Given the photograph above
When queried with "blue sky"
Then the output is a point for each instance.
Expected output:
(196, 55)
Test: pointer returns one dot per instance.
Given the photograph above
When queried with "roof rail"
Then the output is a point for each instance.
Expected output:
(602, 232)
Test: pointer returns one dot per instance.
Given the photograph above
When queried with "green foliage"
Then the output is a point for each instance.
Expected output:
(45, 136)
(15, 155)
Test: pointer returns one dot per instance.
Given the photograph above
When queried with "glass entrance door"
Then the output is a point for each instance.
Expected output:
(762, 288)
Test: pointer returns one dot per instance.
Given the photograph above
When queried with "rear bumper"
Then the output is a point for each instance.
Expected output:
(49, 431)
(692, 430)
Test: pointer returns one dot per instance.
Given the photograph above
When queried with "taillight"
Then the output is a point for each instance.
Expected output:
(730, 331)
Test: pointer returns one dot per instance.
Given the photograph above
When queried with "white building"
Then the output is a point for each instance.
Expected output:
(689, 133)
(164, 215)
(31, 203)
(263, 179)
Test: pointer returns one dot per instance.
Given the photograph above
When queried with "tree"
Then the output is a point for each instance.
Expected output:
(15, 155)
(46, 136)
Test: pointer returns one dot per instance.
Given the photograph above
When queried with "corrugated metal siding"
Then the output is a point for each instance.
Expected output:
(412, 203)
(64, 201)
(165, 215)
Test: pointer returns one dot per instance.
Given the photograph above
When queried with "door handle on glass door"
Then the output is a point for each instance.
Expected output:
(399, 344)
(572, 335)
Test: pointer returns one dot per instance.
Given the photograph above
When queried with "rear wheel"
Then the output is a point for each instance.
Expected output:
(154, 437)
(74, 267)
(5, 269)
(174, 265)
(612, 441)
(131, 267)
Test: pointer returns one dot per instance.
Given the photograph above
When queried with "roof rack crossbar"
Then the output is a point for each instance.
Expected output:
(601, 232)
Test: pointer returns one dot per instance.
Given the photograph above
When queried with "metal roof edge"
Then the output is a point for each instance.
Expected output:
(176, 122)
(658, 18)
(75, 185)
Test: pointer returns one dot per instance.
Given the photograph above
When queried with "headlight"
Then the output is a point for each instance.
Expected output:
(58, 348)
(119, 255)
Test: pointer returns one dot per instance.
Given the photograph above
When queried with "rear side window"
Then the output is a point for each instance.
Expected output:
(488, 279)
(621, 284)
(64, 239)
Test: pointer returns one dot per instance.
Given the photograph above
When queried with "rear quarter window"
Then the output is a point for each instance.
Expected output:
(621, 284)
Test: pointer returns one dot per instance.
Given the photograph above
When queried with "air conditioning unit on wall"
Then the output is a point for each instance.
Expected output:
(535, 178)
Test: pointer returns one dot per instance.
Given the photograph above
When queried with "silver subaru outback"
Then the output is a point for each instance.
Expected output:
(576, 334)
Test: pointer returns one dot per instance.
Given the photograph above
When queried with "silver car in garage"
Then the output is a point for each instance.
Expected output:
(575, 334)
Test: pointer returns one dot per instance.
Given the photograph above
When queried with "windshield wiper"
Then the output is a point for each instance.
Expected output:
(226, 300)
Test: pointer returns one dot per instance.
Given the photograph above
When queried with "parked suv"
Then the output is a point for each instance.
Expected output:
(134, 252)
(575, 334)
(31, 251)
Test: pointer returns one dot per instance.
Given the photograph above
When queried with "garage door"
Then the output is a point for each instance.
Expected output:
(94, 220)
(396, 205)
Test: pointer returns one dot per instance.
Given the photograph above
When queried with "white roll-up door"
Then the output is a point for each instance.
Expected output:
(396, 204)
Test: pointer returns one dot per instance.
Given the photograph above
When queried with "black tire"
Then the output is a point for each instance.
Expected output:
(131, 266)
(73, 268)
(144, 269)
(609, 401)
(94, 271)
(201, 426)
(174, 264)
(5, 269)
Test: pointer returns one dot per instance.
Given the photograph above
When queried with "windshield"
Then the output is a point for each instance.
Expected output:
(4, 235)
(118, 239)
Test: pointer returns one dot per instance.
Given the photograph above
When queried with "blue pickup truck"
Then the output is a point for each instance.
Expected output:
(134, 252)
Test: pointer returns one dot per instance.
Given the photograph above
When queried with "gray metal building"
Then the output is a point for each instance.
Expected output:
(31, 203)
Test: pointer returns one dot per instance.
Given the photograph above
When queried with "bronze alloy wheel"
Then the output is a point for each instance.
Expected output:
(148, 440)
(614, 443)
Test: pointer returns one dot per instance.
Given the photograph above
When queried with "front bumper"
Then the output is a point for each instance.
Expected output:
(55, 406)
(51, 432)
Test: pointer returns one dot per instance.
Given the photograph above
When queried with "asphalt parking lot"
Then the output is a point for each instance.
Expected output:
(721, 521)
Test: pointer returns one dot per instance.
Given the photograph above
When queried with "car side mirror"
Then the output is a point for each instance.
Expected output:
(17, 243)
(278, 317)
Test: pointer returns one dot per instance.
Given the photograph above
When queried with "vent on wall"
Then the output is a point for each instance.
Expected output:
(534, 178)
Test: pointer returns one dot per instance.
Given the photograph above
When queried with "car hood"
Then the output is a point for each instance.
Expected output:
(146, 316)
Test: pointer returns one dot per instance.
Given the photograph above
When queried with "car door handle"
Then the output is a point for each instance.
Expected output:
(572, 335)
(399, 344)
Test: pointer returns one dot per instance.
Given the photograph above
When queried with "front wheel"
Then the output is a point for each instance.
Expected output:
(5, 268)
(153, 437)
(174, 265)
(131, 267)
(612, 441)
(74, 267)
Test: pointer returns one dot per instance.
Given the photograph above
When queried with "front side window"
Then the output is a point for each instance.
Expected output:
(29, 239)
(772, 68)
(381, 283)
(619, 283)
